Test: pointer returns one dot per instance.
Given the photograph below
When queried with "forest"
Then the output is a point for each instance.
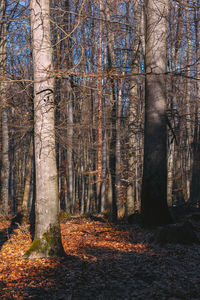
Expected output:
(99, 149)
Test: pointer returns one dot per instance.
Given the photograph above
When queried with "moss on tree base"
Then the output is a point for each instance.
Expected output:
(49, 245)
(176, 234)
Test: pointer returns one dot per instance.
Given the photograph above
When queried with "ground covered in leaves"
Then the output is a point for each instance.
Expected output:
(104, 262)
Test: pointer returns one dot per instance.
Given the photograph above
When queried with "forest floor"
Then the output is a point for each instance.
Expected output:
(104, 262)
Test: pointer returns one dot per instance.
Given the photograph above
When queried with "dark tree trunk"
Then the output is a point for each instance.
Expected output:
(154, 207)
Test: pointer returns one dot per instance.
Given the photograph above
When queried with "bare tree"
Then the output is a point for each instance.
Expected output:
(154, 207)
(47, 240)
(4, 110)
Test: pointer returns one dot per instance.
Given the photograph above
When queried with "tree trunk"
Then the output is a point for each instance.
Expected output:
(133, 112)
(100, 114)
(12, 170)
(154, 207)
(47, 240)
(112, 154)
(4, 113)
(70, 153)
(104, 157)
(188, 104)
(27, 187)
(194, 187)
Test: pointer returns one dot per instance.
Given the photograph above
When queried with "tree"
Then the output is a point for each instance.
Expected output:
(154, 207)
(27, 186)
(4, 112)
(194, 187)
(133, 145)
(100, 116)
(47, 240)
(98, 59)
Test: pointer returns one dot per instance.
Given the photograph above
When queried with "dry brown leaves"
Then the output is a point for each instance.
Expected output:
(104, 262)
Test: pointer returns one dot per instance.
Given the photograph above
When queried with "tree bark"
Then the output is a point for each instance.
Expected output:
(112, 154)
(100, 114)
(189, 129)
(4, 114)
(154, 207)
(47, 240)
(27, 187)
(133, 112)
(194, 187)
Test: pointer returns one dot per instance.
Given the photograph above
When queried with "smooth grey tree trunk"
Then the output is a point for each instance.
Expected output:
(47, 240)
(154, 207)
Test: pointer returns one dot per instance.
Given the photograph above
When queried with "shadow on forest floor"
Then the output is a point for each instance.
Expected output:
(104, 262)
(120, 275)
(5, 233)
(74, 279)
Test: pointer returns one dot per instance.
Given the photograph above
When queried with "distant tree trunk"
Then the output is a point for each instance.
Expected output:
(12, 169)
(132, 117)
(70, 152)
(47, 240)
(100, 115)
(4, 113)
(133, 112)
(154, 207)
(120, 207)
(104, 186)
(67, 96)
(189, 130)
(27, 187)
(112, 154)
(104, 163)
